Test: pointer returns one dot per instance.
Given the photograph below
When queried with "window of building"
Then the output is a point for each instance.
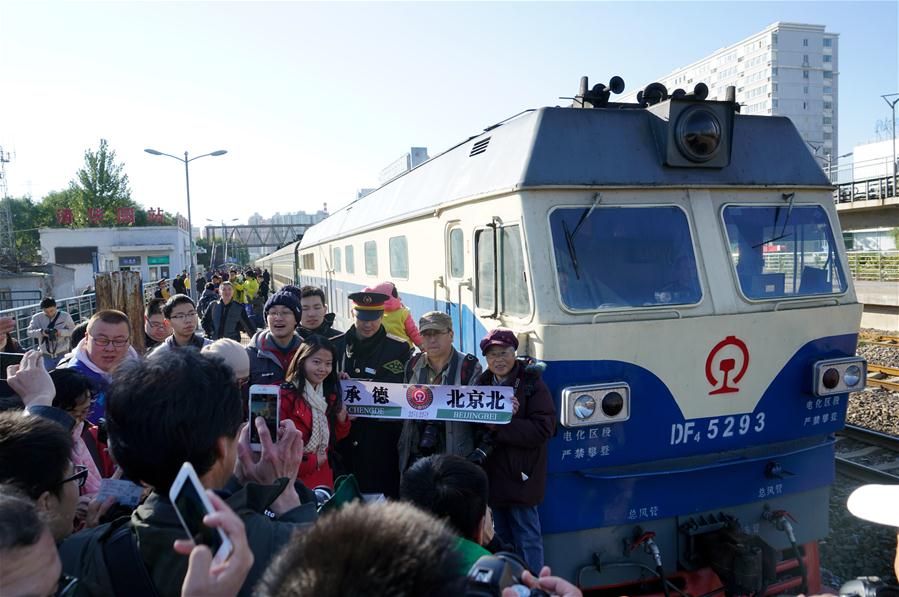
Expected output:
(774, 71)
(828, 90)
(507, 279)
(828, 74)
(805, 90)
(828, 120)
(828, 105)
(805, 59)
(805, 105)
(828, 136)
(399, 257)
(805, 74)
(774, 103)
(828, 58)
(457, 253)
(371, 257)
(774, 39)
(805, 42)
(350, 261)
(335, 260)
(828, 42)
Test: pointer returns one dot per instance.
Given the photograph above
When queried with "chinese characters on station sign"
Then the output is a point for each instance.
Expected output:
(124, 215)
(155, 216)
(477, 404)
(64, 217)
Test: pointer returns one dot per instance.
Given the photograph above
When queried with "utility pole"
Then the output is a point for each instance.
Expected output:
(891, 99)
(7, 236)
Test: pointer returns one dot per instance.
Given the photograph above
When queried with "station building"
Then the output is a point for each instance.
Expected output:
(155, 251)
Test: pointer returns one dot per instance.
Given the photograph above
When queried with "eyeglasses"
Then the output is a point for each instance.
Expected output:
(157, 326)
(80, 475)
(282, 314)
(181, 316)
(104, 341)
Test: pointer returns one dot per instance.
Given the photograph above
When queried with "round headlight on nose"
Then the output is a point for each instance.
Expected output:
(852, 376)
(831, 378)
(612, 403)
(698, 134)
(584, 406)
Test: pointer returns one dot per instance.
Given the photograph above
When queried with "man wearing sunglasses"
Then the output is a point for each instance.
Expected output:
(105, 346)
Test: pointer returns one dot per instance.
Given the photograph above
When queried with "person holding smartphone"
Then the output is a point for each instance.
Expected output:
(311, 398)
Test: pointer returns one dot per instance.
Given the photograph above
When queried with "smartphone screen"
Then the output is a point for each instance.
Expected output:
(192, 509)
(7, 359)
(265, 406)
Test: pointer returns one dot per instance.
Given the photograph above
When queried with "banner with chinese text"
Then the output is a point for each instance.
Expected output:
(477, 404)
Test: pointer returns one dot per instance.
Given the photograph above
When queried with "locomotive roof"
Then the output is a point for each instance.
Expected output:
(572, 147)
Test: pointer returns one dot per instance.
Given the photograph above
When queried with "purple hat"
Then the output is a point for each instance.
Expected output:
(499, 337)
(284, 299)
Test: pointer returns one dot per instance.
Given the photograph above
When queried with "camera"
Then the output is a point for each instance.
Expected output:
(484, 447)
(430, 438)
(868, 586)
(491, 574)
(52, 334)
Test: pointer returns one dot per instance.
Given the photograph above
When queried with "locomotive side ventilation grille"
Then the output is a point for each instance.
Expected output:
(479, 147)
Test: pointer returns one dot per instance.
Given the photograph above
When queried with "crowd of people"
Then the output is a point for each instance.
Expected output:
(84, 413)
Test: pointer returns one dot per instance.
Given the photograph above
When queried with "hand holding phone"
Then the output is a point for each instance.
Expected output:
(205, 578)
(192, 505)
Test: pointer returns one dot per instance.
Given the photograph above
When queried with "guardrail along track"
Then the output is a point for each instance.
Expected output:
(866, 455)
(883, 377)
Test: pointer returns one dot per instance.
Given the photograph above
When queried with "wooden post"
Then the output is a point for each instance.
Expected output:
(123, 291)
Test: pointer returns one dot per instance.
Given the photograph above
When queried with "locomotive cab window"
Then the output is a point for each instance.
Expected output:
(457, 253)
(371, 257)
(502, 275)
(624, 257)
(783, 251)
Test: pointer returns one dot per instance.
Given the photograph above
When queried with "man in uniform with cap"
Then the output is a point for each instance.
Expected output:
(366, 351)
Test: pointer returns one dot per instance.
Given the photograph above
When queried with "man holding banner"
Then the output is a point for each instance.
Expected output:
(439, 364)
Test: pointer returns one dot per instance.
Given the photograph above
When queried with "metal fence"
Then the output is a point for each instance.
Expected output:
(10, 299)
(877, 266)
(79, 307)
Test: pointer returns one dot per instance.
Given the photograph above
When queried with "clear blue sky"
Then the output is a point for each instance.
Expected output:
(311, 100)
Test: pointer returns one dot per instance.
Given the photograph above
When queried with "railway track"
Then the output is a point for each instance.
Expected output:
(881, 340)
(867, 456)
(883, 377)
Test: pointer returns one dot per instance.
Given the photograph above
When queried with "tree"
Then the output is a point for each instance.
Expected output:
(100, 184)
(27, 217)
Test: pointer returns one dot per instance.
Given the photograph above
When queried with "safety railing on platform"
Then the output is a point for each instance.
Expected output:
(10, 299)
(880, 187)
(79, 307)
(877, 266)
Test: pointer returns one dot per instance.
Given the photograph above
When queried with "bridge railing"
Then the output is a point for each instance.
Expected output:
(869, 189)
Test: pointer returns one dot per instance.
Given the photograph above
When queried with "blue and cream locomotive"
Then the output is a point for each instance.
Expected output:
(679, 267)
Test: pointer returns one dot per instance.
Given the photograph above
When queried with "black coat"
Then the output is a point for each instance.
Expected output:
(521, 445)
(370, 450)
(324, 329)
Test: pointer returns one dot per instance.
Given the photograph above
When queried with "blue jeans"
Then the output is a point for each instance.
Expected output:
(521, 527)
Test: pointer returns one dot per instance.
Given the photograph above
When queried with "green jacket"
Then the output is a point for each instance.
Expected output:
(469, 553)
(156, 526)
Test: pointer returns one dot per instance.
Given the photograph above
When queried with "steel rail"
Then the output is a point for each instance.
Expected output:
(863, 472)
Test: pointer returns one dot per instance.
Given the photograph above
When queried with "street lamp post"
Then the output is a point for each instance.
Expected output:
(190, 227)
(892, 104)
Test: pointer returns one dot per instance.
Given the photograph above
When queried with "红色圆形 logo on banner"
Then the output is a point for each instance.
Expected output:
(484, 404)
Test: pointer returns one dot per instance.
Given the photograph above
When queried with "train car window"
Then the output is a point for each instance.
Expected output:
(620, 257)
(399, 257)
(371, 257)
(307, 261)
(457, 253)
(508, 269)
(350, 259)
(335, 260)
(779, 252)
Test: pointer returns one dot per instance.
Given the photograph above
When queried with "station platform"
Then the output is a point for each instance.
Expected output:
(881, 301)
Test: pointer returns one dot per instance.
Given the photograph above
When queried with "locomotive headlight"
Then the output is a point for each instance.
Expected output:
(584, 406)
(837, 376)
(698, 134)
(595, 404)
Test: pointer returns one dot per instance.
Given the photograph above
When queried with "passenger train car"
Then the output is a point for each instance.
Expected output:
(679, 268)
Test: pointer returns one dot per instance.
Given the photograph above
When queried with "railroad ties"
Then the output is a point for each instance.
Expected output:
(867, 456)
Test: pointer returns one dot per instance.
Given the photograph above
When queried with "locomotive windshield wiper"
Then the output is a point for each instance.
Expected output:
(569, 236)
(786, 197)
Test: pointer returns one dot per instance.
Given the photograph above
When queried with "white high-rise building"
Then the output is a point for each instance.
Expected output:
(787, 69)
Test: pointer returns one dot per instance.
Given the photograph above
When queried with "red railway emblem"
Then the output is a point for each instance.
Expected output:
(419, 397)
(726, 365)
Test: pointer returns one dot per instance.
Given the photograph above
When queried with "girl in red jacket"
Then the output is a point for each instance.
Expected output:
(311, 399)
